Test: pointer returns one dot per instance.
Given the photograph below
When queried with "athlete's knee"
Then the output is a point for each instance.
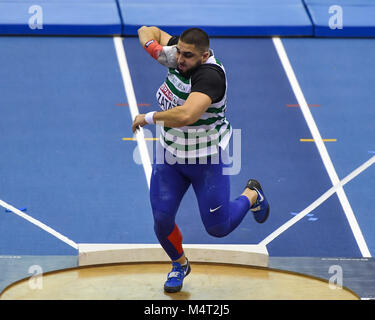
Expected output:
(163, 202)
(219, 230)
(163, 222)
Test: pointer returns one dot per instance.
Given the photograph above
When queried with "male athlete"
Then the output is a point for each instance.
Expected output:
(193, 103)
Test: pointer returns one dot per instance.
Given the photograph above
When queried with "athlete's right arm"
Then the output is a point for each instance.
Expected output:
(155, 41)
(146, 34)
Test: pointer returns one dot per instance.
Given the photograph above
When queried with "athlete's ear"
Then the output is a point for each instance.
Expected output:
(205, 56)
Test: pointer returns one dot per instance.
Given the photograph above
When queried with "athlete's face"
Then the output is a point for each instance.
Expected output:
(189, 57)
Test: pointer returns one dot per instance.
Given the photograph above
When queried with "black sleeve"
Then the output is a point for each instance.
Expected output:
(209, 79)
(172, 41)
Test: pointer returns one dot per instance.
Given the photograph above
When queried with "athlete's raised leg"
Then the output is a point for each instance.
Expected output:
(219, 214)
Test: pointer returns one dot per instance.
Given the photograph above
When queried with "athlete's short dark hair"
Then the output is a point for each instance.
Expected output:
(197, 37)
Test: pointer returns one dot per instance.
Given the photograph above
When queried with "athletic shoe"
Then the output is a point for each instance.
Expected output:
(176, 277)
(260, 208)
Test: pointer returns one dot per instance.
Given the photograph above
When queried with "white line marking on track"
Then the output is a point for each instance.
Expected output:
(318, 202)
(321, 147)
(39, 224)
(133, 106)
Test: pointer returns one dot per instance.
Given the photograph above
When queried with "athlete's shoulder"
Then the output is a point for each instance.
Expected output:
(209, 70)
(213, 64)
(207, 67)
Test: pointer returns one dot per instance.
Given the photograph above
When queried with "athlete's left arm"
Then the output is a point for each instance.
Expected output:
(190, 112)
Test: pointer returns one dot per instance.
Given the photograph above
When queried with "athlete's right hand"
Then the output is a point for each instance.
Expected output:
(168, 57)
(138, 122)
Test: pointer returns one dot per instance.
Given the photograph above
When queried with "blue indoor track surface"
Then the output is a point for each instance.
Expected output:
(64, 114)
(340, 81)
(63, 154)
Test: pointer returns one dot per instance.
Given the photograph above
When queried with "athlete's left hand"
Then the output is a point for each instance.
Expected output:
(138, 122)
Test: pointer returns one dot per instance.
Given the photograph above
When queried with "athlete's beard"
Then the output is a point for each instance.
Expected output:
(190, 71)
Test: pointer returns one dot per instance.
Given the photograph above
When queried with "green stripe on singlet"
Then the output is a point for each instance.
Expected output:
(191, 147)
(207, 121)
(197, 134)
(216, 110)
(180, 77)
(178, 93)
(200, 122)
